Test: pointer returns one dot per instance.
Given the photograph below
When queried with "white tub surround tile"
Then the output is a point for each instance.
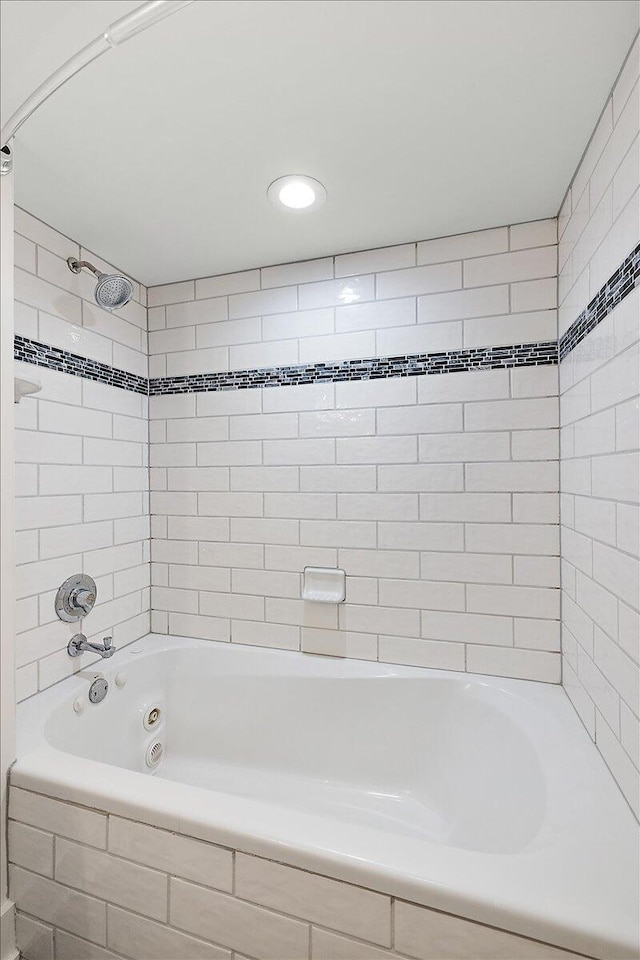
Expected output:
(375, 261)
(339, 643)
(336, 293)
(426, 934)
(201, 862)
(599, 388)
(419, 280)
(82, 450)
(274, 911)
(210, 312)
(278, 300)
(244, 927)
(520, 265)
(522, 664)
(30, 848)
(68, 315)
(375, 475)
(305, 271)
(391, 471)
(464, 246)
(534, 295)
(222, 286)
(301, 323)
(171, 293)
(536, 233)
(326, 902)
(123, 883)
(384, 478)
(43, 235)
(295, 319)
(151, 939)
(43, 296)
(36, 939)
(58, 905)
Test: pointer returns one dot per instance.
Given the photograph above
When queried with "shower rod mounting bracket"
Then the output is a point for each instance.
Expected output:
(6, 160)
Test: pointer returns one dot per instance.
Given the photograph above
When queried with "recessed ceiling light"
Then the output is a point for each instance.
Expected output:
(297, 192)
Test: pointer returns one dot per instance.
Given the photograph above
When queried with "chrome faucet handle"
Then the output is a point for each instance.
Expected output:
(83, 600)
(76, 597)
(107, 641)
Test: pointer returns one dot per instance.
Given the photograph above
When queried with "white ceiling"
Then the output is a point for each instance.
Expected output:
(421, 117)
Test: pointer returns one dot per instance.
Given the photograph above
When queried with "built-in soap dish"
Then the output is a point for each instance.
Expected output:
(23, 386)
(323, 584)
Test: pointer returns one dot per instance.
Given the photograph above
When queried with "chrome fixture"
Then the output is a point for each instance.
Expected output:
(79, 644)
(113, 290)
(76, 597)
(98, 690)
(6, 160)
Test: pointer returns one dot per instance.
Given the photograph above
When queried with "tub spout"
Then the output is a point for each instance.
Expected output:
(79, 644)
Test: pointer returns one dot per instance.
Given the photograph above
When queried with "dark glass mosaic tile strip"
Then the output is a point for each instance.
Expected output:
(618, 286)
(407, 365)
(42, 355)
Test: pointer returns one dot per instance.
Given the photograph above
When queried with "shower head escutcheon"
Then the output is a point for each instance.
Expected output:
(113, 290)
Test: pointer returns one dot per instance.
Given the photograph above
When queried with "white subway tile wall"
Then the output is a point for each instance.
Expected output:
(438, 495)
(480, 289)
(81, 462)
(600, 437)
(112, 888)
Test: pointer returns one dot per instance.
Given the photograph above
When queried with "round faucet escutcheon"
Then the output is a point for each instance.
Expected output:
(79, 644)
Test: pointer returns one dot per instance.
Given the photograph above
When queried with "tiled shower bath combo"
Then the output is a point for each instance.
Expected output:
(454, 423)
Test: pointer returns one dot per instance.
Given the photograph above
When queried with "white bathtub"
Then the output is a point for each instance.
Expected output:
(478, 796)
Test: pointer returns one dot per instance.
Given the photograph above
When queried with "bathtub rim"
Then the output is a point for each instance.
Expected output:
(187, 810)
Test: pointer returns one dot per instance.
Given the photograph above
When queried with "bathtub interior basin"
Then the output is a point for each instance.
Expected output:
(431, 756)
(476, 795)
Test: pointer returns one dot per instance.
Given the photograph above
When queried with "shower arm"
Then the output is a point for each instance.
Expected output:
(116, 33)
(76, 266)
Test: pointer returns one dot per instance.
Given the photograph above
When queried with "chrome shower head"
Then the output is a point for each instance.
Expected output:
(113, 290)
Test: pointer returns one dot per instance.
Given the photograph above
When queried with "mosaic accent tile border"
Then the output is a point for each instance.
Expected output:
(407, 365)
(376, 368)
(42, 355)
(617, 287)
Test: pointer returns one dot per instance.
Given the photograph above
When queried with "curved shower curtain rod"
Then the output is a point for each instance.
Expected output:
(116, 33)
